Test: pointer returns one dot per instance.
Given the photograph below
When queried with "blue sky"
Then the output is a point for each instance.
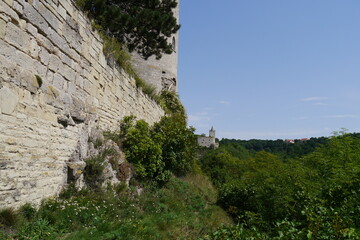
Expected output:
(270, 69)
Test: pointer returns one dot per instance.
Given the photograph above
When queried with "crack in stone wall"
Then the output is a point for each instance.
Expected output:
(56, 87)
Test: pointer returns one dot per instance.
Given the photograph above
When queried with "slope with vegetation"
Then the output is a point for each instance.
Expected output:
(315, 196)
(167, 198)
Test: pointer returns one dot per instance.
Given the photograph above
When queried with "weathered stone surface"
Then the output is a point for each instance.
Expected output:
(49, 16)
(8, 100)
(29, 81)
(4, 8)
(2, 28)
(9, 2)
(46, 121)
(17, 37)
(62, 11)
(35, 18)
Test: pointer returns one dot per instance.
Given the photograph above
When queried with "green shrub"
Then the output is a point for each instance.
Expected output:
(144, 152)
(178, 144)
(38, 230)
(93, 172)
(171, 103)
(27, 211)
(9, 217)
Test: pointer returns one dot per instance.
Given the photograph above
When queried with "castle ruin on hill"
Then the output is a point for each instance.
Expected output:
(209, 141)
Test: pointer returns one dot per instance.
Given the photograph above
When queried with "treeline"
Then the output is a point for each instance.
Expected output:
(313, 196)
(240, 148)
(283, 149)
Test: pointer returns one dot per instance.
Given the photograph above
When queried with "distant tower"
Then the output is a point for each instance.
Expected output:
(209, 141)
(162, 73)
(212, 132)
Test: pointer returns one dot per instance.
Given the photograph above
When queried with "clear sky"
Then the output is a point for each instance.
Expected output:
(270, 69)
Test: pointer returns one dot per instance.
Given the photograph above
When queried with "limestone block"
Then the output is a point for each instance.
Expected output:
(31, 29)
(79, 81)
(35, 4)
(18, 8)
(102, 60)
(74, 55)
(8, 101)
(49, 16)
(55, 63)
(58, 81)
(68, 73)
(44, 42)
(9, 2)
(17, 37)
(62, 11)
(29, 81)
(34, 49)
(58, 40)
(65, 59)
(23, 24)
(44, 56)
(2, 28)
(35, 18)
(26, 61)
(4, 8)
(66, 4)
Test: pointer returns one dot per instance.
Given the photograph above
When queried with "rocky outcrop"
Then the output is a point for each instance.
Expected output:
(56, 89)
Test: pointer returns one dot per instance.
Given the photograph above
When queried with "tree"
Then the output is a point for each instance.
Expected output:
(143, 25)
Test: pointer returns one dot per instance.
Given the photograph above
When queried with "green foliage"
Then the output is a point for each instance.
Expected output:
(114, 50)
(93, 173)
(144, 152)
(244, 148)
(9, 217)
(178, 210)
(37, 230)
(167, 147)
(220, 166)
(144, 26)
(27, 211)
(171, 103)
(239, 231)
(178, 144)
(313, 197)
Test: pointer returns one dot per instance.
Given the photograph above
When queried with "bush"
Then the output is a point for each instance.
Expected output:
(93, 172)
(27, 211)
(142, 151)
(9, 217)
(178, 144)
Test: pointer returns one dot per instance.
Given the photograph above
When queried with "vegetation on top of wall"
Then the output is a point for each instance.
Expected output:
(118, 52)
(144, 26)
(171, 103)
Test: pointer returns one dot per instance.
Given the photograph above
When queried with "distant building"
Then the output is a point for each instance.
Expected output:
(289, 141)
(209, 141)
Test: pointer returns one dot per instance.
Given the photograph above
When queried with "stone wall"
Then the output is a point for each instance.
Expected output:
(56, 89)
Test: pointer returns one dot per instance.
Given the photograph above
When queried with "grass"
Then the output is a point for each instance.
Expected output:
(178, 210)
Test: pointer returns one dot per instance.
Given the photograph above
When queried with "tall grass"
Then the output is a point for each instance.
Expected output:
(178, 210)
